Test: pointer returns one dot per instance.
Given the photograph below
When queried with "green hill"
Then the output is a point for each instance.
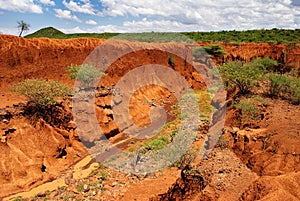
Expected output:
(51, 32)
(273, 36)
(48, 32)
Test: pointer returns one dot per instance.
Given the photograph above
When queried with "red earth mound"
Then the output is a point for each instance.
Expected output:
(34, 153)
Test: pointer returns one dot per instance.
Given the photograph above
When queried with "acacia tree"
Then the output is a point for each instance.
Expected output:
(22, 26)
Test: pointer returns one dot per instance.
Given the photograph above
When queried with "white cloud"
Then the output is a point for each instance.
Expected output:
(48, 2)
(83, 6)
(25, 6)
(205, 14)
(91, 22)
(73, 30)
(66, 14)
(9, 31)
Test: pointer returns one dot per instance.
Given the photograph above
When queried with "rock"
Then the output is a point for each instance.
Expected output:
(68, 179)
(86, 188)
(72, 125)
(114, 184)
(3, 139)
(5, 121)
(41, 194)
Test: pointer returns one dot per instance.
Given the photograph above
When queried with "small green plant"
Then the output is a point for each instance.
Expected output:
(132, 148)
(42, 92)
(101, 166)
(173, 134)
(157, 144)
(79, 187)
(18, 199)
(266, 141)
(103, 175)
(248, 110)
(98, 185)
(84, 73)
(223, 143)
(261, 100)
(171, 60)
(68, 197)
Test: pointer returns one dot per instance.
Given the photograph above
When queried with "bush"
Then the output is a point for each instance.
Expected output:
(215, 50)
(248, 109)
(245, 76)
(240, 75)
(285, 86)
(42, 92)
(84, 73)
(264, 63)
(279, 84)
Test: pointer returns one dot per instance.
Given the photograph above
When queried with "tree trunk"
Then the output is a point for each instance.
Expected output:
(21, 33)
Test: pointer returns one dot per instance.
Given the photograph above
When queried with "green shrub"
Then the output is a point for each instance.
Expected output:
(84, 73)
(248, 109)
(285, 86)
(215, 50)
(240, 75)
(263, 63)
(279, 84)
(42, 92)
(295, 91)
(245, 76)
(156, 144)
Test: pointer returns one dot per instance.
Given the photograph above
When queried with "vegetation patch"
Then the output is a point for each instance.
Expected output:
(285, 86)
(245, 76)
(84, 73)
(42, 92)
(272, 36)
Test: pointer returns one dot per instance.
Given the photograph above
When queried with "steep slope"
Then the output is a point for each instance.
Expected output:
(35, 149)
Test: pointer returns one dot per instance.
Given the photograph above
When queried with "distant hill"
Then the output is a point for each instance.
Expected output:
(51, 32)
(273, 36)
(48, 32)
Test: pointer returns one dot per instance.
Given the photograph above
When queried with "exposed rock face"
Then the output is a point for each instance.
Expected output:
(26, 58)
(287, 55)
(260, 163)
(33, 150)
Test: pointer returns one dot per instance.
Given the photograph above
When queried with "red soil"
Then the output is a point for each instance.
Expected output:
(29, 149)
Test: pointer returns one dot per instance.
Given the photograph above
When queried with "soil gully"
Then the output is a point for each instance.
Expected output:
(260, 162)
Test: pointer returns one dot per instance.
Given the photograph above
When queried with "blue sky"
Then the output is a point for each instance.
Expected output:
(74, 16)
